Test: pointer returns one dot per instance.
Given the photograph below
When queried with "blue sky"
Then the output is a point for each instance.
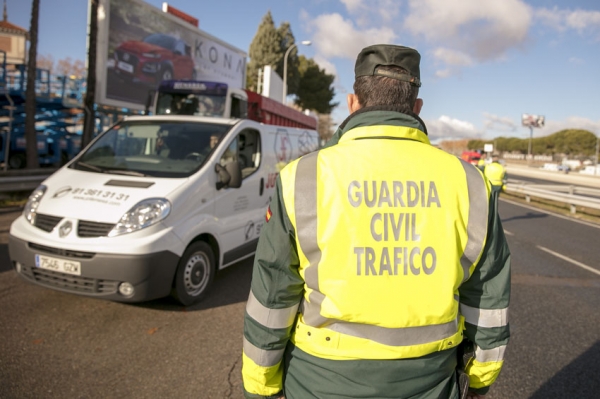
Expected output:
(484, 63)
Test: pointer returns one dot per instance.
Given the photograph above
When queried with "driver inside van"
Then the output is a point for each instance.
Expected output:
(160, 142)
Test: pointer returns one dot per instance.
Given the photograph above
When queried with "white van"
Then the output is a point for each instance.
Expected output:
(153, 206)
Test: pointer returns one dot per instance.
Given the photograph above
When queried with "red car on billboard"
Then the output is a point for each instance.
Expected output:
(156, 58)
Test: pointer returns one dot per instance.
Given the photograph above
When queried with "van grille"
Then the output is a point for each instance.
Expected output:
(62, 252)
(69, 282)
(46, 222)
(85, 228)
(92, 229)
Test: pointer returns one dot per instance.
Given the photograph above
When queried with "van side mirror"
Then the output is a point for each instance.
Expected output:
(230, 175)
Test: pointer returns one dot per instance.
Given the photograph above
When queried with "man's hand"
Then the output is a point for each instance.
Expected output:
(473, 395)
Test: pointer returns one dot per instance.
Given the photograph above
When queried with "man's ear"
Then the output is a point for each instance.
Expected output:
(418, 105)
(353, 104)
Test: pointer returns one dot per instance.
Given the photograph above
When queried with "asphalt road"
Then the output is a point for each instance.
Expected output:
(56, 345)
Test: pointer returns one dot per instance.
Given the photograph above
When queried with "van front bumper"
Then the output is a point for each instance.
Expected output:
(151, 275)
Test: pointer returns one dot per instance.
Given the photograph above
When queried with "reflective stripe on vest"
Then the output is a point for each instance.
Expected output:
(262, 357)
(305, 220)
(478, 217)
(270, 318)
(490, 355)
(488, 318)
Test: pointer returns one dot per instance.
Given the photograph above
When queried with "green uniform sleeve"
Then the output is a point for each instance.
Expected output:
(276, 292)
(484, 300)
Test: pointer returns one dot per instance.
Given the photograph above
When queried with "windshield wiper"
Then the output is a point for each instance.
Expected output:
(125, 172)
(90, 167)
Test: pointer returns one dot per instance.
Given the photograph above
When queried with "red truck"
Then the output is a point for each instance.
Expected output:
(471, 156)
(204, 98)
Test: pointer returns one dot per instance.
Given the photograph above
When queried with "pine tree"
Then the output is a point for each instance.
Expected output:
(265, 49)
(315, 90)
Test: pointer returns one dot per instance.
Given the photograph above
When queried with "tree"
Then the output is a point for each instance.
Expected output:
(265, 49)
(570, 142)
(30, 104)
(68, 67)
(315, 90)
(45, 61)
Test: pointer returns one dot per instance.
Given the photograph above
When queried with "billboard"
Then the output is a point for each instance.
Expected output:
(139, 46)
(529, 120)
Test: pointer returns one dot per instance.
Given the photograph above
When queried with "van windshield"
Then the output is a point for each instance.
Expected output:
(152, 148)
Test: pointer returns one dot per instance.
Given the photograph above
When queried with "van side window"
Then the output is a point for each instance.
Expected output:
(249, 151)
(246, 150)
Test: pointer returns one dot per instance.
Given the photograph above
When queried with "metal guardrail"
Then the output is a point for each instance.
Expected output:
(20, 183)
(23, 179)
(559, 193)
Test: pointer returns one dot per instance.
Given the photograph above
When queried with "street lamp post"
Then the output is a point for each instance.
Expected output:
(285, 58)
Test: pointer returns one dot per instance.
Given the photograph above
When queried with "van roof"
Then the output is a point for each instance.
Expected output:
(183, 118)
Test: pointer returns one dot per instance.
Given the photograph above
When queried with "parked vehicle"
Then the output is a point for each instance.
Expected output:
(156, 58)
(47, 144)
(154, 205)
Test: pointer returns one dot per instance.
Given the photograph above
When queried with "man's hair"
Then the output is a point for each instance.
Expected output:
(380, 90)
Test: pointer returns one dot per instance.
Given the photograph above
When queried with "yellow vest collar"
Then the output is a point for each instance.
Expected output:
(385, 131)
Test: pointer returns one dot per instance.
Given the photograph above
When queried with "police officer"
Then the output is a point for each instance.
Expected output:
(481, 164)
(496, 174)
(380, 254)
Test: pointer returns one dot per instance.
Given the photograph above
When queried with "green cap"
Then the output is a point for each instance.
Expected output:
(388, 54)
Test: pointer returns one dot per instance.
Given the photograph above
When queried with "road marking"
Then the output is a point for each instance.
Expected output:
(588, 268)
(551, 213)
(508, 233)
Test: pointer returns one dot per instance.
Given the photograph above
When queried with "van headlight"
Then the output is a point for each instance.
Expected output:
(33, 203)
(143, 214)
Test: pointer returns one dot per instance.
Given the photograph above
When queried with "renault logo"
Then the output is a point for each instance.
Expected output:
(65, 229)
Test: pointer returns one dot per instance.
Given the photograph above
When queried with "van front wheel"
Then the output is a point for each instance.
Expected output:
(195, 274)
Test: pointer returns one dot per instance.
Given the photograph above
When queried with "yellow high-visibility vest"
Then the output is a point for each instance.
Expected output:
(384, 241)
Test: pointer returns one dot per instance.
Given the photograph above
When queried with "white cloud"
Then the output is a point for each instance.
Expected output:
(563, 20)
(373, 12)
(453, 61)
(325, 64)
(499, 123)
(334, 36)
(446, 128)
(443, 73)
(482, 30)
(452, 57)
(353, 6)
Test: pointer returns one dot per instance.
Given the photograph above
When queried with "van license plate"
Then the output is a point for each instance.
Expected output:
(58, 265)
